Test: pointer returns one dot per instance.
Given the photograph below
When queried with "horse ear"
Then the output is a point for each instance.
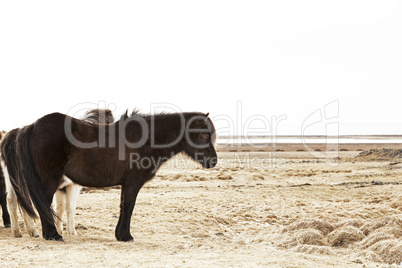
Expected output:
(206, 115)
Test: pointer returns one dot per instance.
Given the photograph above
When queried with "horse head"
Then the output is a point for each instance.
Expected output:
(199, 140)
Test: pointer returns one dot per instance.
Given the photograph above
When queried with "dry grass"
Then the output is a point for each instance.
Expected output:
(382, 233)
(390, 250)
(318, 224)
(310, 237)
(390, 221)
(384, 154)
(303, 237)
(378, 240)
(314, 249)
(350, 222)
(397, 204)
(345, 236)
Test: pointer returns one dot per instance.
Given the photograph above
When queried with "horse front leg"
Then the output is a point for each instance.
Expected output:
(128, 197)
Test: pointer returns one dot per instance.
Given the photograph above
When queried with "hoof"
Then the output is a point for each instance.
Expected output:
(123, 235)
(126, 239)
(71, 232)
(33, 233)
(58, 238)
(7, 225)
(17, 234)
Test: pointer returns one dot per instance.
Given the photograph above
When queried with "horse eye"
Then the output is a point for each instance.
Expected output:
(205, 136)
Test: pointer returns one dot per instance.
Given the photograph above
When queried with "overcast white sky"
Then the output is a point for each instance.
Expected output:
(272, 58)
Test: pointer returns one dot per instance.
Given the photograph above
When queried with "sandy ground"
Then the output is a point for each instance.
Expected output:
(255, 209)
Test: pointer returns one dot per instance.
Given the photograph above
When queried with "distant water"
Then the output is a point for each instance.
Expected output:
(269, 140)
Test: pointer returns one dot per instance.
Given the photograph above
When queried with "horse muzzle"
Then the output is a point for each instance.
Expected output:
(210, 163)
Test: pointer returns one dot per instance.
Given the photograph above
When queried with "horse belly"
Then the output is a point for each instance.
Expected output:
(94, 173)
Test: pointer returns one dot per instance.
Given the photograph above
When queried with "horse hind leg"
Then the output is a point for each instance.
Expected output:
(50, 183)
(60, 200)
(72, 192)
(13, 210)
(12, 203)
(29, 224)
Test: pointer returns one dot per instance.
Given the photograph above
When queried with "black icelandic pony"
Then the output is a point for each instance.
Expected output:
(100, 156)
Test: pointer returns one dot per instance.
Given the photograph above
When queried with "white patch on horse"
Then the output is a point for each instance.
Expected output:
(66, 202)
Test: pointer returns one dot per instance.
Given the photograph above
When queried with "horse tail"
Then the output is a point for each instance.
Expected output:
(29, 177)
(11, 163)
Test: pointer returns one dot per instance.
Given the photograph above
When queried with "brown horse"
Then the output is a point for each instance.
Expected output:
(65, 197)
(100, 156)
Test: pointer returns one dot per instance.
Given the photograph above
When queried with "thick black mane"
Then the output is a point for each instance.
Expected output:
(169, 126)
(162, 115)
